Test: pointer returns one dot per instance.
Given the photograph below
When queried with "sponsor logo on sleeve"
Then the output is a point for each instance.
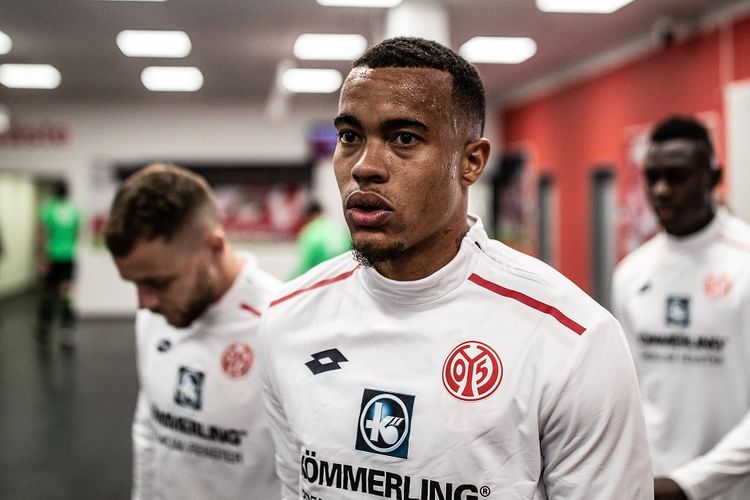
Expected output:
(472, 371)
(325, 361)
(385, 423)
(237, 359)
(678, 311)
(189, 391)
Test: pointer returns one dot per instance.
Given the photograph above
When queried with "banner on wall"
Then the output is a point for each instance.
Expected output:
(515, 219)
(256, 203)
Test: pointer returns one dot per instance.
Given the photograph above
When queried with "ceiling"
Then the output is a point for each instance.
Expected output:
(238, 44)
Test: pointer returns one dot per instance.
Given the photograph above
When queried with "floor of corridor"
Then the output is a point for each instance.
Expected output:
(64, 416)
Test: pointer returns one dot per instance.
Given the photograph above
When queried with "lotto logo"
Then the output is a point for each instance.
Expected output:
(472, 371)
(385, 423)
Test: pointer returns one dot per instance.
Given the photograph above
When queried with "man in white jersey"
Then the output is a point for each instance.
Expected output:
(684, 301)
(438, 363)
(199, 429)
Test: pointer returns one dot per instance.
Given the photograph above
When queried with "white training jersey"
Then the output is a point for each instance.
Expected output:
(685, 306)
(494, 378)
(199, 429)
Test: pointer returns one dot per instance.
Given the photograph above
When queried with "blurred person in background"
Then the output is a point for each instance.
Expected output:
(683, 299)
(199, 430)
(57, 239)
(435, 362)
(320, 239)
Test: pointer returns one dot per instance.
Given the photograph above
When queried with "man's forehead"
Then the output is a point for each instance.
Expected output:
(418, 90)
(675, 149)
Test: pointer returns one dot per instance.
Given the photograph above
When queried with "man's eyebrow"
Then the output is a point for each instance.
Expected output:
(397, 123)
(344, 119)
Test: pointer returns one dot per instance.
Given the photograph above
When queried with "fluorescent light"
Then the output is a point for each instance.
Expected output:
(142, 43)
(303, 80)
(134, 0)
(498, 50)
(329, 47)
(360, 3)
(172, 78)
(5, 43)
(29, 76)
(582, 6)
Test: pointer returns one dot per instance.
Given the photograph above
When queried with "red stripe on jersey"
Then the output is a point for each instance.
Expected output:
(529, 301)
(249, 308)
(734, 243)
(319, 284)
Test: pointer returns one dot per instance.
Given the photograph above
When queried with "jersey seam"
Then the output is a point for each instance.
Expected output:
(530, 302)
(319, 284)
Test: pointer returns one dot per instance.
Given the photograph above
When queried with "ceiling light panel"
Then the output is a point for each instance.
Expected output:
(143, 43)
(133, 0)
(498, 50)
(321, 47)
(360, 3)
(29, 76)
(582, 6)
(172, 78)
(5, 43)
(316, 81)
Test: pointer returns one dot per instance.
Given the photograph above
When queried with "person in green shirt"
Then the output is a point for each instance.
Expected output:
(60, 222)
(320, 239)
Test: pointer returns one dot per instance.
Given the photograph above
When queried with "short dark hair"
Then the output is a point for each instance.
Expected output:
(412, 52)
(684, 127)
(60, 188)
(156, 201)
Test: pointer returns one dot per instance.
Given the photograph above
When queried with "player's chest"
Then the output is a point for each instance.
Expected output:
(200, 378)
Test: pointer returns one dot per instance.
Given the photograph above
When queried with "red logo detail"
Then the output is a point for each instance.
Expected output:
(472, 371)
(717, 285)
(237, 359)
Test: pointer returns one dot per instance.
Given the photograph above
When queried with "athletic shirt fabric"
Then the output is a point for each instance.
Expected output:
(495, 377)
(199, 430)
(62, 221)
(685, 306)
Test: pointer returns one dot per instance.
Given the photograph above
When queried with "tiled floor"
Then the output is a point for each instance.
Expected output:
(64, 416)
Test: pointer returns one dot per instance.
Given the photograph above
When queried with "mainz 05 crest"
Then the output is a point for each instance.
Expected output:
(472, 371)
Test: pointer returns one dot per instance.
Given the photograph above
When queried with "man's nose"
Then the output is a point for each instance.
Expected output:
(371, 166)
(661, 188)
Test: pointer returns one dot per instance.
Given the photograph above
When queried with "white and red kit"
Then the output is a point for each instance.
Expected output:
(495, 377)
(199, 429)
(685, 306)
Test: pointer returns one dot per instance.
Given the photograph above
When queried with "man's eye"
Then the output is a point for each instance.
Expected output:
(405, 138)
(347, 136)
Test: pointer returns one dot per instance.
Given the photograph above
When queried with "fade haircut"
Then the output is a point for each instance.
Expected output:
(411, 52)
(684, 127)
(157, 201)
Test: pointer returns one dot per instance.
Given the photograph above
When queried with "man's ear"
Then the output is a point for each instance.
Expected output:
(216, 240)
(716, 172)
(476, 154)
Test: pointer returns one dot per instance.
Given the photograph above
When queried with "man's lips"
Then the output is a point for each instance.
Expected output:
(365, 209)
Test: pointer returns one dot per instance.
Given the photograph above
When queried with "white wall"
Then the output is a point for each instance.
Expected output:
(105, 134)
(17, 216)
(737, 104)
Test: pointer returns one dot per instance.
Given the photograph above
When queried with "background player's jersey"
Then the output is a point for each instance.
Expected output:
(495, 378)
(199, 430)
(685, 306)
